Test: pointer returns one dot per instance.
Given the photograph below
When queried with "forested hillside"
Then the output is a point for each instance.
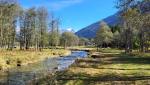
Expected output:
(90, 31)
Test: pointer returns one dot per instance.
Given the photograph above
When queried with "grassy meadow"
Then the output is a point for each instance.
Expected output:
(108, 67)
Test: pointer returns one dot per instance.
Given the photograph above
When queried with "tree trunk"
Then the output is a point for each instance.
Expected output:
(141, 41)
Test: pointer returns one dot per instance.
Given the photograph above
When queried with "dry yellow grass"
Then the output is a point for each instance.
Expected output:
(9, 59)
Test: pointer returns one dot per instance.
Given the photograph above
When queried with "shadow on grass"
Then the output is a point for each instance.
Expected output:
(117, 58)
(104, 77)
(109, 78)
(82, 82)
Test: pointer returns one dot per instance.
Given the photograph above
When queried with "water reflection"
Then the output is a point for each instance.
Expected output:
(22, 75)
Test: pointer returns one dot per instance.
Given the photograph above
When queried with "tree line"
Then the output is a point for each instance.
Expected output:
(133, 31)
(37, 28)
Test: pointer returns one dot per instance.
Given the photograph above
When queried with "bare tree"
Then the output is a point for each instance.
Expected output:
(8, 19)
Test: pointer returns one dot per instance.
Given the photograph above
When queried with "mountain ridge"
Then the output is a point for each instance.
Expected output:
(90, 31)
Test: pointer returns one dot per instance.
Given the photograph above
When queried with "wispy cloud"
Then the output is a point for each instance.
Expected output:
(57, 5)
(53, 5)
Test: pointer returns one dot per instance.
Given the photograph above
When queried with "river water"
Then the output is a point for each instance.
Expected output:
(23, 74)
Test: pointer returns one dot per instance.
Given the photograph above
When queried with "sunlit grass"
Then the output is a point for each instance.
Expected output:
(110, 50)
(10, 58)
(114, 65)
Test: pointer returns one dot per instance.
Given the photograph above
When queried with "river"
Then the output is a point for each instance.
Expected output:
(23, 74)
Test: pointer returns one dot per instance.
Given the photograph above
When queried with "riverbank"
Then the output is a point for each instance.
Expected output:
(10, 59)
(41, 72)
(111, 67)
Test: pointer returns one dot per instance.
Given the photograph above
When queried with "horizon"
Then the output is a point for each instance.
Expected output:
(74, 14)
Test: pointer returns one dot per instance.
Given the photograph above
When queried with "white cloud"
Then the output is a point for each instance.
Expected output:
(53, 5)
(63, 4)
(70, 29)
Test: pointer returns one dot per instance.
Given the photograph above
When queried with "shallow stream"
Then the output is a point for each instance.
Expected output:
(23, 74)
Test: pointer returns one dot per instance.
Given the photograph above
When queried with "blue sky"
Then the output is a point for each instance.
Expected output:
(75, 14)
